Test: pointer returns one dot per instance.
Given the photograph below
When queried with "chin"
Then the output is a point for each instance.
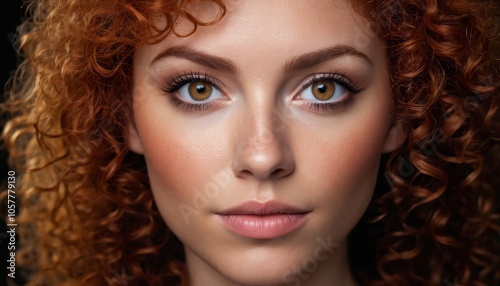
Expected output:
(267, 266)
(270, 274)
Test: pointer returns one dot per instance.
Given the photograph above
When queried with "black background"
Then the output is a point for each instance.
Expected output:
(10, 15)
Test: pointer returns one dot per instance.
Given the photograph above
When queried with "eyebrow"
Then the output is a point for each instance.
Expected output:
(315, 58)
(210, 61)
(298, 63)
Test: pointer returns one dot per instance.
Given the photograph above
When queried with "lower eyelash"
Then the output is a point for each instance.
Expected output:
(189, 107)
(325, 107)
(176, 83)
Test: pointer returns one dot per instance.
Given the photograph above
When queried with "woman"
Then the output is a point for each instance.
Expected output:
(257, 143)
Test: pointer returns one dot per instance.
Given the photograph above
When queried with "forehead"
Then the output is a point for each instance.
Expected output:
(265, 30)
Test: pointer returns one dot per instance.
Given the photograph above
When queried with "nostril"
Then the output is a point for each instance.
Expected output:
(277, 168)
(281, 173)
(244, 174)
(262, 157)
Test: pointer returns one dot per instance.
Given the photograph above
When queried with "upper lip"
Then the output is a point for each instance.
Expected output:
(266, 208)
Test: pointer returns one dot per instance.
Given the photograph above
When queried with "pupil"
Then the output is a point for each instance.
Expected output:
(200, 88)
(322, 88)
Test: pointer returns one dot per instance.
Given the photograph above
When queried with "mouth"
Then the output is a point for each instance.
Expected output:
(263, 220)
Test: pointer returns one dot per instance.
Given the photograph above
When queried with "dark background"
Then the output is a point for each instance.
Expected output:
(10, 15)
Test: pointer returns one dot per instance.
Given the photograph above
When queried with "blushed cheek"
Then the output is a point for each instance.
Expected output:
(346, 166)
(355, 168)
(181, 164)
(174, 177)
(174, 169)
(348, 185)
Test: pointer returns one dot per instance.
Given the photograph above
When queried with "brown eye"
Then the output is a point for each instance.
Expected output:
(323, 90)
(200, 90)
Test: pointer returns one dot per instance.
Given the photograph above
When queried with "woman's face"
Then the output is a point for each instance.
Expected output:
(262, 136)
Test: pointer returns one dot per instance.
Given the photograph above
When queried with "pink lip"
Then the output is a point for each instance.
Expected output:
(263, 220)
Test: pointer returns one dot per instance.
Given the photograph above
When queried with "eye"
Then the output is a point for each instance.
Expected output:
(198, 91)
(326, 92)
(193, 92)
(323, 91)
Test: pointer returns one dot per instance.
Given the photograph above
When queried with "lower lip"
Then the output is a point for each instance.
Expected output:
(263, 226)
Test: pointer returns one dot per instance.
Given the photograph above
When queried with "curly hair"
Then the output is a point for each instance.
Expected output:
(88, 216)
(87, 210)
(440, 221)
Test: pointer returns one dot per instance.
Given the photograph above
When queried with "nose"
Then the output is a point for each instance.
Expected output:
(263, 151)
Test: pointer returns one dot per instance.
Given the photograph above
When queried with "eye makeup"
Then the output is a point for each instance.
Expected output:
(327, 91)
(180, 91)
(320, 93)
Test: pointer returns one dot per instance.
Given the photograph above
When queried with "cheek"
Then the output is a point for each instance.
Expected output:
(346, 154)
(355, 158)
(176, 172)
(177, 166)
(341, 169)
(347, 177)
(182, 162)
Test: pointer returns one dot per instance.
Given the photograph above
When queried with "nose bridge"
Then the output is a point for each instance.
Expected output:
(261, 133)
(263, 150)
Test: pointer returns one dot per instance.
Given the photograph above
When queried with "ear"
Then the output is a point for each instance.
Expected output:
(396, 135)
(134, 140)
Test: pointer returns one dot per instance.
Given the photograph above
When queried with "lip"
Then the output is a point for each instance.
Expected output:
(263, 220)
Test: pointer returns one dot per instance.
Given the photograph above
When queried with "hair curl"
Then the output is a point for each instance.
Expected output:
(91, 216)
(440, 221)
(88, 216)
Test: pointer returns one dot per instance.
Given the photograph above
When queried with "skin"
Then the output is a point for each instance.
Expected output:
(261, 141)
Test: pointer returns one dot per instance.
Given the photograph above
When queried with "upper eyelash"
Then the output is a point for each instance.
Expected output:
(341, 79)
(179, 81)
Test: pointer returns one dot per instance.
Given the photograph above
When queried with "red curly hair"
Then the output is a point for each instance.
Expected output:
(88, 216)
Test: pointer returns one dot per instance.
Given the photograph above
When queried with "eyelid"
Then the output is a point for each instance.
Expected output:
(175, 83)
(319, 107)
(173, 86)
(341, 79)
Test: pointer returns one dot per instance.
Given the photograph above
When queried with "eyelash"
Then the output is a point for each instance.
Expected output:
(176, 83)
(179, 81)
(341, 79)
